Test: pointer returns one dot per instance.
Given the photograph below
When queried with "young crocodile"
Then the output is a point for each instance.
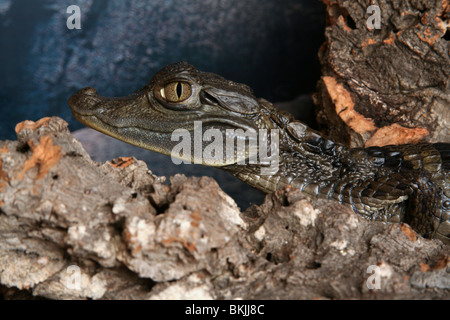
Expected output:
(408, 183)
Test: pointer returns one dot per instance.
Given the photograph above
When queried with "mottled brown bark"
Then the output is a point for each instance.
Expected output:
(134, 237)
(388, 85)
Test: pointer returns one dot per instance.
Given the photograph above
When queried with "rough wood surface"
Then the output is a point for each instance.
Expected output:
(388, 85)
(132, 236)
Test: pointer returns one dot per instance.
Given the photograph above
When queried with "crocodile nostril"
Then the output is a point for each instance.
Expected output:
(84, 100)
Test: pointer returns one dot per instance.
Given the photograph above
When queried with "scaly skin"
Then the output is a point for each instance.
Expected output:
(405, 183)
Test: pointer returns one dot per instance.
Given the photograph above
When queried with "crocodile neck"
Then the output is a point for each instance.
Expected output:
(307, 161)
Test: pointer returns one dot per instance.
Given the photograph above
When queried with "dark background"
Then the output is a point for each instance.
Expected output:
(270, 45)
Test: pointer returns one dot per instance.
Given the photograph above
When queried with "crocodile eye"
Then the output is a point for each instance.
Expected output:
(176, 91)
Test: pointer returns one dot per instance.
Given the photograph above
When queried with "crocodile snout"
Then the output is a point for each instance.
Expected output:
(84, 102)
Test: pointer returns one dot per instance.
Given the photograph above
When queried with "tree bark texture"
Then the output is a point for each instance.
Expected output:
(386, 85)
(131, 235)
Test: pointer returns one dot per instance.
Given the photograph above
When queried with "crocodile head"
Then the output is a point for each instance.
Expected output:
(178, 100)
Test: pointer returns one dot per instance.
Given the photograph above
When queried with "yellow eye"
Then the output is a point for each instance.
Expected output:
(176, 91)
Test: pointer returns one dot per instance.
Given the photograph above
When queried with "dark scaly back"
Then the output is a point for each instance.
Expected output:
(394, 183)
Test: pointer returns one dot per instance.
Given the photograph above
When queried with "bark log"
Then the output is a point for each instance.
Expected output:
(386, 85)
(72, 228)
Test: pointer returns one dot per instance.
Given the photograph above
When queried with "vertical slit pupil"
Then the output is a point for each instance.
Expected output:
(179, 90)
